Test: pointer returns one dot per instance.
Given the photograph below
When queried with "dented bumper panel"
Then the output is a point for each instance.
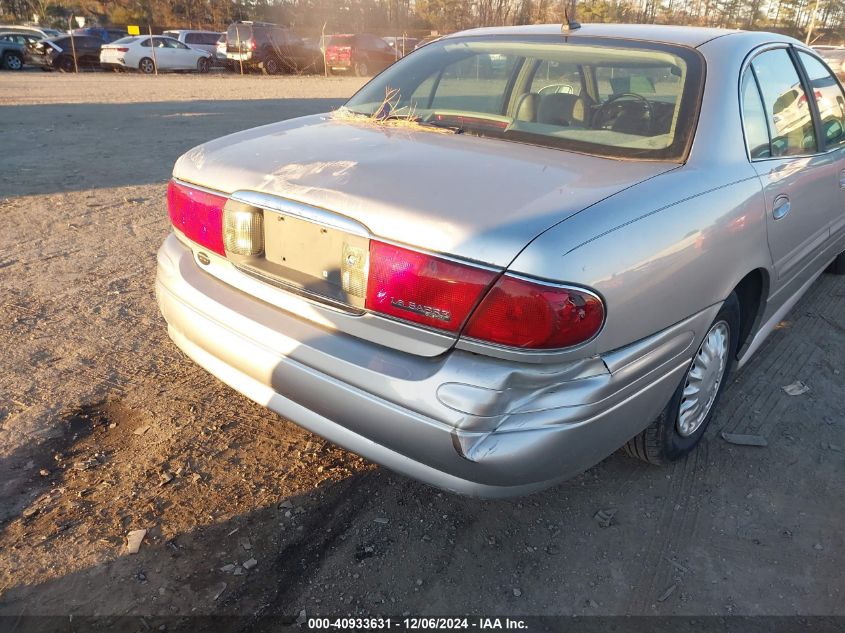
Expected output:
(461, 421)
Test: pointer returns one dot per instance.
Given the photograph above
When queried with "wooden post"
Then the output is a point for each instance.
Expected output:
(240, 52)
(73, 44)
(812, 22)
(323, 49)
(153, 48)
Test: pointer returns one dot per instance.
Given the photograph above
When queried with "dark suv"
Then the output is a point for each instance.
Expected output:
(56, 53)
(364, 54)
(104, 33)
(271, 48)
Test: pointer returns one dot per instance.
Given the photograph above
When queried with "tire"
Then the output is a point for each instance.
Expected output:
(65, 64)
(837, 266)
(272, 66)
(673, 435)
(202, 65)
(361, 69)
(12, 61)
(147, 66)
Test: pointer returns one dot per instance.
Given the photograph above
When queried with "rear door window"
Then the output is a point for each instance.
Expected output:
(829, 100)
(789, 116)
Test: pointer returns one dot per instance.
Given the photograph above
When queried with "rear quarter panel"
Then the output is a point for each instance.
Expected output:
(658, 252)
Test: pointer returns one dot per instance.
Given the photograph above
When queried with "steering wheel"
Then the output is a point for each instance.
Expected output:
(604, 115)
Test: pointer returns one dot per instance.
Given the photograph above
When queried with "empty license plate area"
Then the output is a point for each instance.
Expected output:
(318, 260)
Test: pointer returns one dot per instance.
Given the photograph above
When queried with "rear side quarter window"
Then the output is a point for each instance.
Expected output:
(754, 123)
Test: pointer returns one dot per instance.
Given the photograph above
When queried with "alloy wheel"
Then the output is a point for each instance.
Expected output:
(704, 379)
(14, 62)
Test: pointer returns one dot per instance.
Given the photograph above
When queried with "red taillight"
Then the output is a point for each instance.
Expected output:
(530, 315)
(339, 52)
(198, 214)
(422, 288)
(122, 50)
(802, 100)
(252, 45)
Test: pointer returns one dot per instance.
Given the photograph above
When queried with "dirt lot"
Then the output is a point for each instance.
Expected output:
(106, 427)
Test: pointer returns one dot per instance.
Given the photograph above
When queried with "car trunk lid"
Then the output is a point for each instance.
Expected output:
(474, 198)
(329, 186)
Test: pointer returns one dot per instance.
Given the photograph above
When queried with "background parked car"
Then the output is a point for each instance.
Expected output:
(401, 45)
(56, 53)
(220, 51)
(42, 32)
(362, 53)
(271, 48)
(136, 52)
(11, 54)
(105, 34)
(834, 56)
(201, 40)
(27, 40)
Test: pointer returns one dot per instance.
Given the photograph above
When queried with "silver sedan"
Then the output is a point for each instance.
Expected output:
(517, 249)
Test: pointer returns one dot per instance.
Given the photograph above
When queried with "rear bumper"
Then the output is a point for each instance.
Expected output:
(463, 422)
(246, 58)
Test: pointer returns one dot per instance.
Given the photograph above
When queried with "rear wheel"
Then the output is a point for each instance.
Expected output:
(837, 266)
(272, 66)
(12, 61)
(682, 423)
(65, 64)
(202, 65)
(147, 66)
(361, 69)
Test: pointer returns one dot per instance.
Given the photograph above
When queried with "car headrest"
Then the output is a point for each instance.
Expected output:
(562, 109)
(526, 107)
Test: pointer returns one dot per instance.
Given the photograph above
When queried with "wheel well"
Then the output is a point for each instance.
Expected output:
(750, 292)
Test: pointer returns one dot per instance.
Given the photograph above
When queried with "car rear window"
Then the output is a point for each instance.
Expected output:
(125, 40)
(239, 31)
(341, 40)
(614, 98)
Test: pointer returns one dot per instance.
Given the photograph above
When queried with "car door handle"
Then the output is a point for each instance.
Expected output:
(781, 207)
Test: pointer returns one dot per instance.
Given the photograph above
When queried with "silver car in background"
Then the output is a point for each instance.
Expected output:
(517, 249)
(201, 40)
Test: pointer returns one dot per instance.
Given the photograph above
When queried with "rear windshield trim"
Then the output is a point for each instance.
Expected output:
(689, 109)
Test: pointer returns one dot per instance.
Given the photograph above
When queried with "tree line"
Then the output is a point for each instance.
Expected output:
(825, 18)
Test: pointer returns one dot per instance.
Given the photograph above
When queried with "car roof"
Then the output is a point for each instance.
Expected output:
(690, 36)
(186, 31)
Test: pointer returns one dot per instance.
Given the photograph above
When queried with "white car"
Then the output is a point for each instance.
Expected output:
(202, 40)
(145, 53)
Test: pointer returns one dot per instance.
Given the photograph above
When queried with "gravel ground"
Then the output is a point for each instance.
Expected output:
(106, 427)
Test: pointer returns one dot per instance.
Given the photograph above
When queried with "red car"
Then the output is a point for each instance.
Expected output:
(363, 54)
